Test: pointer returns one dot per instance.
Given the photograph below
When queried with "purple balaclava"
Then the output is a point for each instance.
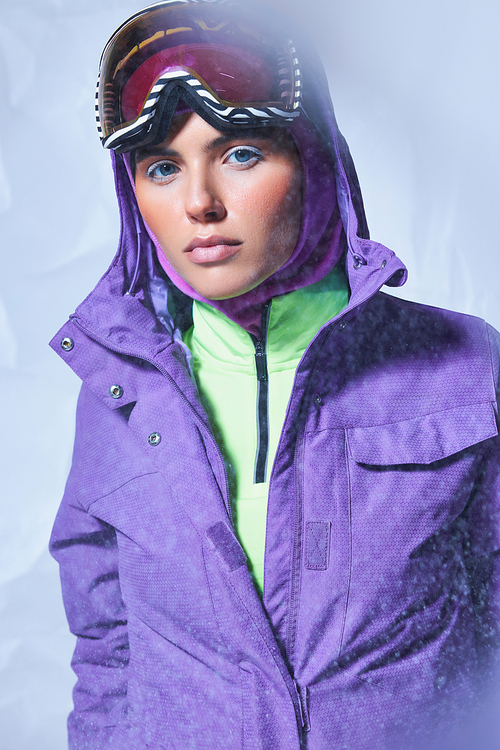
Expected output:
(320, 244)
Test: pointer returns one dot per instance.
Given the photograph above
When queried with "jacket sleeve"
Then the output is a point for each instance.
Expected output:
(482, 546)
(87, 552)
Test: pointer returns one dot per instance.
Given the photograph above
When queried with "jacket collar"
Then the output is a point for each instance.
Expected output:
(294, 320)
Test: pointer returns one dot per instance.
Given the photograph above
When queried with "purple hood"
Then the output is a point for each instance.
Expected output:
(333, 223)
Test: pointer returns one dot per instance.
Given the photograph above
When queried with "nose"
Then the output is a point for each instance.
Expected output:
(203, 203)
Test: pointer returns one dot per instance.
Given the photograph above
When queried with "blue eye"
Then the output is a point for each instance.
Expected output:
(161, 171)
(244, 155)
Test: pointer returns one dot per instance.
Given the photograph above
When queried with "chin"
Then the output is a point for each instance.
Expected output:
(227, 294)
(214, 297)
(217, 293)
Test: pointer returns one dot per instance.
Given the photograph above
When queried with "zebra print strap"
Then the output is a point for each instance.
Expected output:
(237, 116)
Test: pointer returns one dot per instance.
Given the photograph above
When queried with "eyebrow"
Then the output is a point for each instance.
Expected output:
(221, 140)
(145, 153)
(244, 133)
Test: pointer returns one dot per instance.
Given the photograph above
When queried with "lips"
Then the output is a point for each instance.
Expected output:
(212, 249)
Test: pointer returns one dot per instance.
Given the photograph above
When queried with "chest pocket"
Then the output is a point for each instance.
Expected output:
(409, 481)
(385, 489)
(424, 440)
(411, 478)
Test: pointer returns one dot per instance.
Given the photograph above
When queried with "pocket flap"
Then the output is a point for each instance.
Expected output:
(425, 439)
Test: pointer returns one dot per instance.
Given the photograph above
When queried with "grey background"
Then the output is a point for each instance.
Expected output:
(417, 96)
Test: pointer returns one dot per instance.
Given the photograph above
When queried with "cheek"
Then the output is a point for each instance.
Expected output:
(283, 208)
(274, 206)
(159, 214)
(148, 205)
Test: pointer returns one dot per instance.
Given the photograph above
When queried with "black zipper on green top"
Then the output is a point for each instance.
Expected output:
(262, 398)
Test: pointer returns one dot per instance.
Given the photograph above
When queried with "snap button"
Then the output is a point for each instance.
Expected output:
(384, 263)
(342, 325)
(317, 399)
(358, 261)
(116, 391)
(67, 344)
(154, 438)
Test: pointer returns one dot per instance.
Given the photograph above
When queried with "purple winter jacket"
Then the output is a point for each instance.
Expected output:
(379, 619)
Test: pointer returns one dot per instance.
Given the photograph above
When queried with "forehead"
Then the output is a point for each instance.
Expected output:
(191, 130)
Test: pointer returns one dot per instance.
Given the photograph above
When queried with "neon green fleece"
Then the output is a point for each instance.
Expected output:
(225, 371)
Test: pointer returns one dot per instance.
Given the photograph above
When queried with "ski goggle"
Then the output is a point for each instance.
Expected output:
(210, 54)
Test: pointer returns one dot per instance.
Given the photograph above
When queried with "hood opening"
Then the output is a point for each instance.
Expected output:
(333, 223)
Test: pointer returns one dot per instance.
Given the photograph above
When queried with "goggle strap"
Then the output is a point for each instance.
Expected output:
(198, 98)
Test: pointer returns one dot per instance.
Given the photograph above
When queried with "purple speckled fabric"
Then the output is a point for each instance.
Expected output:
(379, 624)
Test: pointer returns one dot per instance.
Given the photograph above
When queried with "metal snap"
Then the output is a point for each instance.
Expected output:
(358, 261)
(317, 399)
(154, 438)
(384, 263)
(67, 344)
(116, 391)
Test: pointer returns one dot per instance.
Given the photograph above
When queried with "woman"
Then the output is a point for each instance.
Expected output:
(279, 530)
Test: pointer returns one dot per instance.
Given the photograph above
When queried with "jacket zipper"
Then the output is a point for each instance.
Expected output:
(297, 549)
(262, 450)
(260, 471)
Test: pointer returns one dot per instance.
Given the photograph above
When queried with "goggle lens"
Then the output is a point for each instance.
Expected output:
(212, 46)
(234, 76)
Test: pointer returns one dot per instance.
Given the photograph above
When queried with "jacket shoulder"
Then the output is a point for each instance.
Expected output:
(398, 361)
(386, 302)
(462, 335)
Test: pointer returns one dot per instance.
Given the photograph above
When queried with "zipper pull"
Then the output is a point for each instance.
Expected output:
(260, 361)
(260, 346)
(303, 707)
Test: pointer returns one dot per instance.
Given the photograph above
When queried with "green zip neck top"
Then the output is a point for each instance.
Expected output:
(241, 409)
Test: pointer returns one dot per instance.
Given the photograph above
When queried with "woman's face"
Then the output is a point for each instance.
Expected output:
(225, 207)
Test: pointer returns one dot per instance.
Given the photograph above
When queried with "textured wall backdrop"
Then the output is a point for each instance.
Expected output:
(416, 93)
